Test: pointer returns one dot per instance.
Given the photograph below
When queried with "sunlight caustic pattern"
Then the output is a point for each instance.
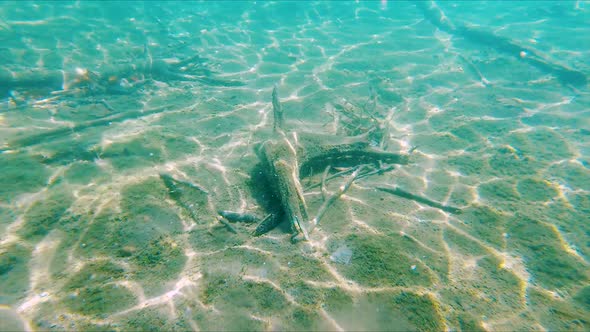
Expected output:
(91, 237)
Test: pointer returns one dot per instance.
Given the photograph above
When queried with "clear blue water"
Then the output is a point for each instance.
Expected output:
(126, 126)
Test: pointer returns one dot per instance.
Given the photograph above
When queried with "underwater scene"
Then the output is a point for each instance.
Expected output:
(294, 165)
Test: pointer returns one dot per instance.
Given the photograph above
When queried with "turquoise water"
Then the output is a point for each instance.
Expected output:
(126, 127)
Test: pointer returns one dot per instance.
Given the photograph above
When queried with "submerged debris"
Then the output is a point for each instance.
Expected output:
(420, 199)
(285, 157)
(191, 197)
(238, 217)
(227, 225)
(267, 224)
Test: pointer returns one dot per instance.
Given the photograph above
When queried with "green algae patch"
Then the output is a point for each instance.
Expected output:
(438, 142)
(469, 133)
(307, 267)
(136, 196)
(229, 292)
(375, 262)
(175, 144)
(502, 289)
(301, 319)
(498, 192)
(484, 289)
(139, 152)
(240, 261)
(145, 203)
(486, 224)
(121, 234)
(230, 319)
(45, 319)
(88, 326)
(387, 311)
(161, 260)
(158, 252)
(82, 172)
(60, 153)
(582, 297)
(14, 272)
(7, 217)
(152, 319)
(216, 238)
(100, 300)
(21, 173)
(303, 293)
(234, 320)
(336, 300)
(44, 215)
(466, 164)
(71, 227)
(557, 315)
(542, 143)
(508, 161)
(462, 244)
(216, 126)
(576, 175)
(467, 322)
(536, 190)
(546, 258)
(91, 291)
(95, 273)
(422, 312)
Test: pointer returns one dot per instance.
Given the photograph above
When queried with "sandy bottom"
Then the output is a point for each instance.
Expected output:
(92, 240)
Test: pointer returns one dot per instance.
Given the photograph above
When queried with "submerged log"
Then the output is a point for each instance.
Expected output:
(420, 199)
(109, 79)
(281, 167)
(232, 216)
(505, 45)
(284, 159)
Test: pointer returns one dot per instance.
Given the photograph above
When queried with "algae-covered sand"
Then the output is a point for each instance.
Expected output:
(91, 237)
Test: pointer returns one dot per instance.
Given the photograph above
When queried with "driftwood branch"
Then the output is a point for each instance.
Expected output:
(285, 158)
(227, 225)
(110, 78)
(437, 17)
(420, 199)
(268, 223)
(323, 183)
